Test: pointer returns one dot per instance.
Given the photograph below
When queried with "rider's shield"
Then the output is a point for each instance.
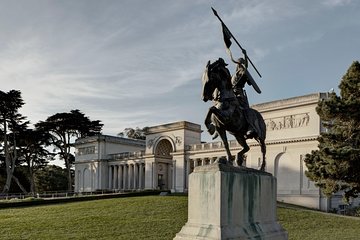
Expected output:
(252, 82)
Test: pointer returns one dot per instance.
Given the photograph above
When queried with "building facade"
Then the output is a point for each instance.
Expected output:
(171, 151)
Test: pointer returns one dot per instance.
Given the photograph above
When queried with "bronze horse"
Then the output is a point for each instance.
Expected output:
(227, 115)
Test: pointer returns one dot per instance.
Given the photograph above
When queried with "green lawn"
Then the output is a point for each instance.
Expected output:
(152, 217)
(305, 225)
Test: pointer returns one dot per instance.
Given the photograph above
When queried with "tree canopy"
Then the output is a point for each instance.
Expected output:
(51, 178)
(64, 128)
(335, 166)
(33, 150)
(11, 122)
(134, 133)
(24, 151)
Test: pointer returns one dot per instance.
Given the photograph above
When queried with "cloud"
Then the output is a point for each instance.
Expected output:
(299, 41)
(336, 3)
(137, 63)
(254, 15)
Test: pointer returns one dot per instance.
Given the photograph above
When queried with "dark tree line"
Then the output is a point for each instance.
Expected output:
(24, 151)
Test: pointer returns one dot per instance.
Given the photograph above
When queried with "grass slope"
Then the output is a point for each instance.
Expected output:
(305, 225)
(124, 218)
(152, 217)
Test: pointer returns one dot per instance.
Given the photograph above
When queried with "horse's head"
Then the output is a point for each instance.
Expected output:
(212, 77)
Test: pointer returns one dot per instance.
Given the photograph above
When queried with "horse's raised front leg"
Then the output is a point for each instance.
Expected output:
(210, 127)
(240, 156)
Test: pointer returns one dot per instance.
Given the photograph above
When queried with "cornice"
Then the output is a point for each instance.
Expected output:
(112, 139)
(290, 102)
(236, 146)
(89, 161)
(175, 126)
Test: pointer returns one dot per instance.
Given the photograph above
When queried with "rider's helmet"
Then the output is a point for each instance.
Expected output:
(222, 62)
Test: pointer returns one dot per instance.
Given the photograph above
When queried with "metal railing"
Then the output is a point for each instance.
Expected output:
(50, 195)
(22, 196)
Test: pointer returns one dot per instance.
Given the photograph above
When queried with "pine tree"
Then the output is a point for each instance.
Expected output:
(33, 152)
(335, 166)
(10, 123)
(65, 128)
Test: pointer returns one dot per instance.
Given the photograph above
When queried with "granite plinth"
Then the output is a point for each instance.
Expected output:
(227, 202)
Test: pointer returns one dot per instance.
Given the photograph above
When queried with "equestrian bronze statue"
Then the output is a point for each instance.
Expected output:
(231, 111)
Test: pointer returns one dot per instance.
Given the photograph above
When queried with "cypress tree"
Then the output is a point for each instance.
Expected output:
(335, 166)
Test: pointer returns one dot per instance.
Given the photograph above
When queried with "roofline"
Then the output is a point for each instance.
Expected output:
(308, 99)
(108, 138)
(174, 126)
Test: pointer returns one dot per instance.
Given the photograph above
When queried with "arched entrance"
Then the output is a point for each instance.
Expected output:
(163, 159)
(287, 172)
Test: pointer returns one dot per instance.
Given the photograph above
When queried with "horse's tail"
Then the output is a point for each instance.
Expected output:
(259, 125)
(261, 128)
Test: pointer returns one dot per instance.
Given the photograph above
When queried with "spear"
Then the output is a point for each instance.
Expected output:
(231, 35)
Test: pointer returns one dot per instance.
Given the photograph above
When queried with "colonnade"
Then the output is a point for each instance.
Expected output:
(131, 176)
(128, 176)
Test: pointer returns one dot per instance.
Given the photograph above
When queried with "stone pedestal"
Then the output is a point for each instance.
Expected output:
(227, 202)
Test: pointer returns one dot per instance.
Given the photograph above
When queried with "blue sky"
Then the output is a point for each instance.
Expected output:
(139, 63)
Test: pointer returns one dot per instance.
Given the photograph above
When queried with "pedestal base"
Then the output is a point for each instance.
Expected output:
(227, 202)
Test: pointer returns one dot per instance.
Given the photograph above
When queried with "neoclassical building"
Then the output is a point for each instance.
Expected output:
(171, 151)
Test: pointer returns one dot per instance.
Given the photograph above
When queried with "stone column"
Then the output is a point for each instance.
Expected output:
(133, 176)
(130, 176)
(144, 175)
(110, 177)
(115, 172)
(77, 183)
(97, 177)
(136, 175)
(173, 187)
(203, 162)
(155, 176)
(120, 185)
(149, 175)
(188, 161)
(127, 176)
(141, 175)
(125, 173)
(169, 177)
(91, 177)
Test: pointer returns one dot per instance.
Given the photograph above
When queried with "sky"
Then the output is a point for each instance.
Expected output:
(137, 63)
